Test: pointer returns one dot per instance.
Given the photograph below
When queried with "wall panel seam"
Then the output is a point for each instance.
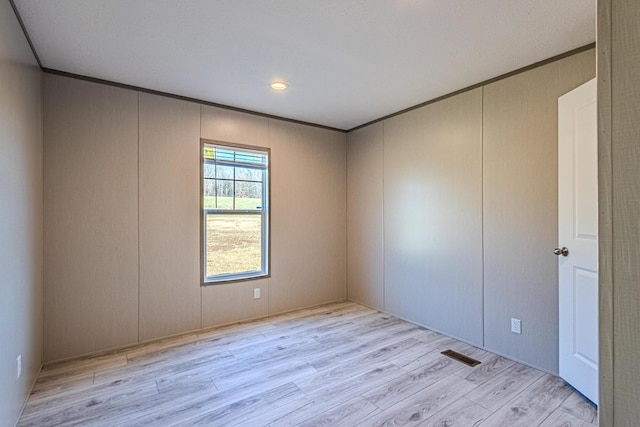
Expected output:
(384, 280)
(138, 219)
(200, 230)
(482, 208)
(270, 208)
(42, 276)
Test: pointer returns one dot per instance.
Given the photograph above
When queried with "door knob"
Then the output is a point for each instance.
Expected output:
(561, 251)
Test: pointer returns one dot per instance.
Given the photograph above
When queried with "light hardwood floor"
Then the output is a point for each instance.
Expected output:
(339, 364)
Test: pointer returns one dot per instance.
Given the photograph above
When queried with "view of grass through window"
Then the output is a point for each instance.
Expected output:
(234, 244)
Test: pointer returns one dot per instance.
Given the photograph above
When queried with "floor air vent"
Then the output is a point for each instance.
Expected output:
(461, 358)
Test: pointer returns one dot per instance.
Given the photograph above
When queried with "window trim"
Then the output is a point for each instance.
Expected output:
(266, 213)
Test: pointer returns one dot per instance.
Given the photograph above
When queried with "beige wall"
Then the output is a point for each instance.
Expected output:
(169, 200)
(619, 199)
(365, 256)
(20, 216)
(469, 203)
(433, 215)
(309, 216)
(520, 215)
(123, 225)
(91, 217)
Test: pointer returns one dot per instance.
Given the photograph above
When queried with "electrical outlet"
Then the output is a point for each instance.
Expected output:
(19, 366)
(516, 326)
(256, 293)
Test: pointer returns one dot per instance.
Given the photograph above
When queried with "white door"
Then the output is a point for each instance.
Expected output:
(578, 234)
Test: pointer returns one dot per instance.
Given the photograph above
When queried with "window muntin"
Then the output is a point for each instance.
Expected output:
(235, 212)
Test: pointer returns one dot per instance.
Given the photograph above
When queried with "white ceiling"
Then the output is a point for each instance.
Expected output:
(347, 62)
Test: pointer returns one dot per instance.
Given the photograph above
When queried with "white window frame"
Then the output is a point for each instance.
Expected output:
(264, 212)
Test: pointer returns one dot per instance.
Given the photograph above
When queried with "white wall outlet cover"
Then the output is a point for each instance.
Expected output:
(256, 293)
(516, 326)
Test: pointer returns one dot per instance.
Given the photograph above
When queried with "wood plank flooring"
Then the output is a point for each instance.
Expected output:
(339, 364)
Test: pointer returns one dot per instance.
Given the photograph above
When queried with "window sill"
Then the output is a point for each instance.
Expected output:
(237, 278)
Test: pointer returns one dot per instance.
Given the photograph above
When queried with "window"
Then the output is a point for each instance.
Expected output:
(235, 212)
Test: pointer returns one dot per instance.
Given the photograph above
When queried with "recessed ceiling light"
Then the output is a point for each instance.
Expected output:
(279, 85)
